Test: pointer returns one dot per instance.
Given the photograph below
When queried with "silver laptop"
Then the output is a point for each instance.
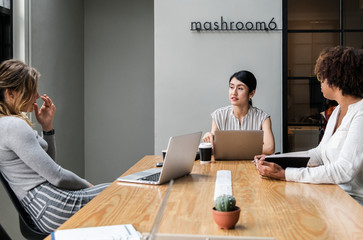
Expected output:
(237, 145)
(179, 161)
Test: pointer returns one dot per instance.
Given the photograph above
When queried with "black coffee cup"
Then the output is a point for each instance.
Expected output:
(205, 150)
(164, 153)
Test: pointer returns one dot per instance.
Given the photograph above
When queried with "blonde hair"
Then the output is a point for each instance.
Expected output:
(17, 76)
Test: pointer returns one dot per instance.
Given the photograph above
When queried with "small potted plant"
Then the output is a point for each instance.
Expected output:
(225, 211)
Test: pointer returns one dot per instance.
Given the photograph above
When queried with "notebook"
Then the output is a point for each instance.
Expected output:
(238, 144)
(179, 161)
(124, 231)
(295, 159)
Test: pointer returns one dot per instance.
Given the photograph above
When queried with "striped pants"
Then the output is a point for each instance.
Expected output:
(49, 207)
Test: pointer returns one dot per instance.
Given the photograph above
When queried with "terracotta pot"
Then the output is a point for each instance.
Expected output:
(226, 220)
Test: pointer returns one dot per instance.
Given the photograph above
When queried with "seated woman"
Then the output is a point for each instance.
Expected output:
(241, 115)
(339, 157)
(49, 193)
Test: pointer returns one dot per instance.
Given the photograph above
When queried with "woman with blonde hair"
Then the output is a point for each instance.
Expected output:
(49, 193)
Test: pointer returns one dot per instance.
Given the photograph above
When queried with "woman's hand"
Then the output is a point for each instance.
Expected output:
(258, 157)
(45, 114)
(208, 138)
(268, 169)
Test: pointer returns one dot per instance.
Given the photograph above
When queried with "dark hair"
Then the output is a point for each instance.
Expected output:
(342, 68)
(247, 78)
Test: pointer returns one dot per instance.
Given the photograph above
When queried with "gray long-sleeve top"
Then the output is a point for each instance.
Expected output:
(27, 160)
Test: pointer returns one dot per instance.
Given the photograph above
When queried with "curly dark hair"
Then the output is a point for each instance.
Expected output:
(342, 68)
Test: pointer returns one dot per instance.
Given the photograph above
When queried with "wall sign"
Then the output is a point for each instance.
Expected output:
(223, 25)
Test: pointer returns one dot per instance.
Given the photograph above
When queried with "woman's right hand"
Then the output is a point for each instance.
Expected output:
(268, 169)
(45, 114)
(208, 137)
(258, 158)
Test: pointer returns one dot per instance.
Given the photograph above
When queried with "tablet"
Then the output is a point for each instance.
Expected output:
(289, 160)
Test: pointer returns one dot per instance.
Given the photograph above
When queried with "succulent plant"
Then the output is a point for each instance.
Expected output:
(225, 203)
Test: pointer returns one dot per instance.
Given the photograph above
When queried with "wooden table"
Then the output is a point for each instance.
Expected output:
(269, 208)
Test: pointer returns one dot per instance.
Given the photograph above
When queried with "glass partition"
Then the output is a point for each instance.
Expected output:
(311, 26)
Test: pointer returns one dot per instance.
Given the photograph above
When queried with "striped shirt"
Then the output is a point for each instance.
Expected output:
(225, 119)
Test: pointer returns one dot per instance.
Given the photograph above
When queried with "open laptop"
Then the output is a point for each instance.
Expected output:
(238, 144)
(179, 161)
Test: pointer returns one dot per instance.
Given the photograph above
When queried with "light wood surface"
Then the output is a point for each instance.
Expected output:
(269, 208)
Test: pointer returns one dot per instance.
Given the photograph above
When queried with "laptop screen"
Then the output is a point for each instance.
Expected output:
(238, 144)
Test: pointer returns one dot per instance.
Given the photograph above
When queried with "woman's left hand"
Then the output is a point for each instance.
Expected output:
(45, 114)
(269, 169)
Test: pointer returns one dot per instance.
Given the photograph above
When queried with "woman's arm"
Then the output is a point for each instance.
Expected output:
(50, 139)
(344, 169)
(21, 139)
(45, 116)
(348, 164)
(209, 136)
(268, 138)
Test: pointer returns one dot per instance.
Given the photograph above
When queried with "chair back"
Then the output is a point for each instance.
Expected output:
(26, 223)
(3, 234)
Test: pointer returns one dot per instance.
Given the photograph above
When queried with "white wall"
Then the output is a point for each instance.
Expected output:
(119, 86)
(57, 52)
(192, 69)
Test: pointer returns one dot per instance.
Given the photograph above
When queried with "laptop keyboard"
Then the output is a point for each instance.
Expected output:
(153, 178)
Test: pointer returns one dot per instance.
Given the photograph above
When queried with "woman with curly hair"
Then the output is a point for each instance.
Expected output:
(49, 193)
(339, 157)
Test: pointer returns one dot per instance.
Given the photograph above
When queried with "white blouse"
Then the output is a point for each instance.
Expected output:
(225, 120)
(339, 157)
